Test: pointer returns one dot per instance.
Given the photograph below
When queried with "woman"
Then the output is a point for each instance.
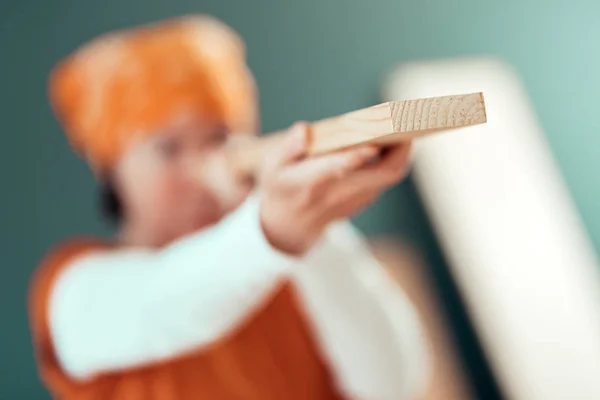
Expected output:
(213, 289)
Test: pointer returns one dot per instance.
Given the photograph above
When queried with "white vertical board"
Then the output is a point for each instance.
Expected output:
(511, 233)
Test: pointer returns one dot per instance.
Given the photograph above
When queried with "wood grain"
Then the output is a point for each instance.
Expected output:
(385, 124)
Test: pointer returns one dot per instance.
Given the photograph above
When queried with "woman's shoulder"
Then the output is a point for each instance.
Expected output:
(72, 247)
(59, 256)
(45, 274)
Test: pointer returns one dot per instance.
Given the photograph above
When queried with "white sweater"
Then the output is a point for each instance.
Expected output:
(124, 308)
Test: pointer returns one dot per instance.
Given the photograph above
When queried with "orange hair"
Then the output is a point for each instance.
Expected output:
(129, 84)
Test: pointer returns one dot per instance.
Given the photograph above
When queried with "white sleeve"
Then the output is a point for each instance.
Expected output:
(367, 328)
(125, 308)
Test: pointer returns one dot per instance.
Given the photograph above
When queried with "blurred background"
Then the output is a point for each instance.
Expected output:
(312, 59)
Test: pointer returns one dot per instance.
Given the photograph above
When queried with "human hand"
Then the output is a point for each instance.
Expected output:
(301, 196)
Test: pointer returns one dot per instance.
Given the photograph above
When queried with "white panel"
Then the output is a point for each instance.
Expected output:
(511, 233)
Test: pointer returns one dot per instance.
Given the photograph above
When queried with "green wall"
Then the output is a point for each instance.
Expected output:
(312, 59)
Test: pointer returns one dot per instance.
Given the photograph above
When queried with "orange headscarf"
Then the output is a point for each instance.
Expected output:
(128, 84)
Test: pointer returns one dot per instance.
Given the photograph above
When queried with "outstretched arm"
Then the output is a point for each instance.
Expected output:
(124, 308)
(368, 329)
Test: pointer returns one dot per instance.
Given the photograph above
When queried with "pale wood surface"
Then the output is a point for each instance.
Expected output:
(511, 233)
(396, 121)
(384, 124)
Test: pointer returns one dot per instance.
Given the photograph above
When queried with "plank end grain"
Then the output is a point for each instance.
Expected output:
(433, 114)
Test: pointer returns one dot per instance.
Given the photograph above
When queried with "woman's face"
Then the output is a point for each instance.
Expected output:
(180, 180)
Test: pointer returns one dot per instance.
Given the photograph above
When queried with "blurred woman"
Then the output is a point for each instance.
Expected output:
(213, 288)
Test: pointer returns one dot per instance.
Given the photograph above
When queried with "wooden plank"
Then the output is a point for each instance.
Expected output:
(397, 121)
(511, 233)
(385, 124)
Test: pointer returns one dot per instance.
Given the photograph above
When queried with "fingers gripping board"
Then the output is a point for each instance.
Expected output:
(383, 124)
